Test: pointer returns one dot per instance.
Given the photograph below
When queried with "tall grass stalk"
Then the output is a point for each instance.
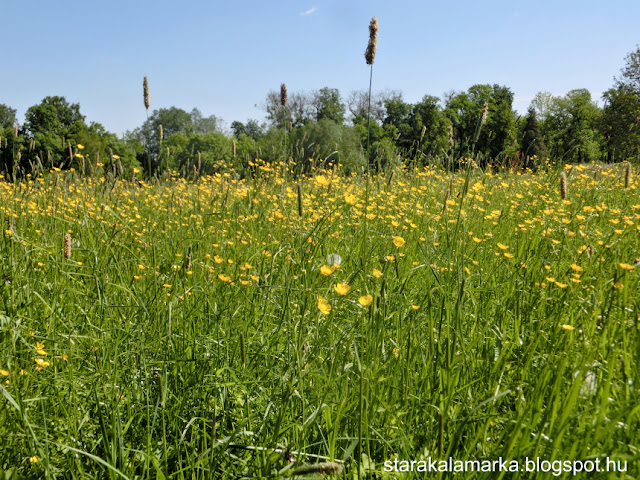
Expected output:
(370, 56)
(283, 102)
(147, 104)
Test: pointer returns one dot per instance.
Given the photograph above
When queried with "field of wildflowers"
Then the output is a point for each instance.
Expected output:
(249, 327)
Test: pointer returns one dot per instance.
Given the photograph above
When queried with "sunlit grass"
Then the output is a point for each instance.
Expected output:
(201, 329)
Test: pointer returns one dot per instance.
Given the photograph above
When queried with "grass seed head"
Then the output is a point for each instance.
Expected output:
(324, 468)
(370, 53)
(67, 246)
(283, 95)
(187, 260)
(627, 174)
(160, 132)
(145, 92)
(485, 111)
(563, 186)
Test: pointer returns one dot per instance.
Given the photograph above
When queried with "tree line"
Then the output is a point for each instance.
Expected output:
(322, 125)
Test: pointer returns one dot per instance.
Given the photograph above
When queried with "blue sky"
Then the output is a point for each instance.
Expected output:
(224, 57)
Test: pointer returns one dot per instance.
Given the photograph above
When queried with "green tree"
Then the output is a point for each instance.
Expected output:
(630, 77)
(571, 128)
(532, 144)
(245, 151)
(298, 111)
(7, 116)
(54, 116)
(542, 104)
(500, 129)
(238, 128)
(429, 128)
(327, 142)
(10, 145)
(398, 123)
(327, 103)
(55, 126)
(620, 125)
(206, 151)
(174, 121)
(483, 122)
(98, 145)
(252, 129)
(203, 124)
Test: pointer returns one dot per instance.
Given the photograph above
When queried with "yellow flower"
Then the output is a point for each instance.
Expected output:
(568, 327)
(115, 157)
(80, 146)
(377, 273)
(224, 277)
(327, 270)
(365, 301)
(415, 307)
(626, 266)
(323, 180)
(398, 241)
(34, 459)
(135, 169)
(217, 259)
(508, 255)
(576, 268)
(42, 362)
(502, 247)
(391, 258)
(323, 305)
(342, 288)
(351, 199)
(4, 373)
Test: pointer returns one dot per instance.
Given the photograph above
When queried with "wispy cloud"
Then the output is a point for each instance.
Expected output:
(309, 12)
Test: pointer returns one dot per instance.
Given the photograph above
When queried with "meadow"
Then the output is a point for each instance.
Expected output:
(248, 327)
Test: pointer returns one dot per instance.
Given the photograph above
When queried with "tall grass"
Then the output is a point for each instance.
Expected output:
(184, 336)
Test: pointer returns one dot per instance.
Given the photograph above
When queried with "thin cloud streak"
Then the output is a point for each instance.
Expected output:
(308, 12)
